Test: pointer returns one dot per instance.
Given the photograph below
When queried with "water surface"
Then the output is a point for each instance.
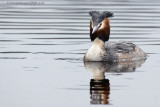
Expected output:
(42, 48)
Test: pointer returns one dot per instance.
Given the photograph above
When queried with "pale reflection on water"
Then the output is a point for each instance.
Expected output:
(99, 85)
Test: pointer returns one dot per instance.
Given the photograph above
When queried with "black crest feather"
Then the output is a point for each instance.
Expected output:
(98, 16)
(103, 13)
(108, 14)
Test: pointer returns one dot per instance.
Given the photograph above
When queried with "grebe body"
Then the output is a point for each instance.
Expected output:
(102, 49)
(114, 51)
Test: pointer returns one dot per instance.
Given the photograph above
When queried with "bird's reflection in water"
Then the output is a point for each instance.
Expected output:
(99, 86)
(99, 90)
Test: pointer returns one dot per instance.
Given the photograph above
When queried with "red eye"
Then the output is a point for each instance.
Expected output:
(99, 25)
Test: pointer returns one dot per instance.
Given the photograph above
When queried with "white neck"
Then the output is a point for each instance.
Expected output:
(95, 52)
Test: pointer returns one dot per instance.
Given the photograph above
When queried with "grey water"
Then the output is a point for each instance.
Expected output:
(42, 44)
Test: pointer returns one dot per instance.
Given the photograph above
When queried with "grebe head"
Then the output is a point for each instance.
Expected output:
(99, 25)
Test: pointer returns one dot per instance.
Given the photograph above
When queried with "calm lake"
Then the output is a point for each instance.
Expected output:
(42, 44)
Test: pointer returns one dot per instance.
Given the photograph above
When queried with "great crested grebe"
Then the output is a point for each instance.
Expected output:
(102, 49)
